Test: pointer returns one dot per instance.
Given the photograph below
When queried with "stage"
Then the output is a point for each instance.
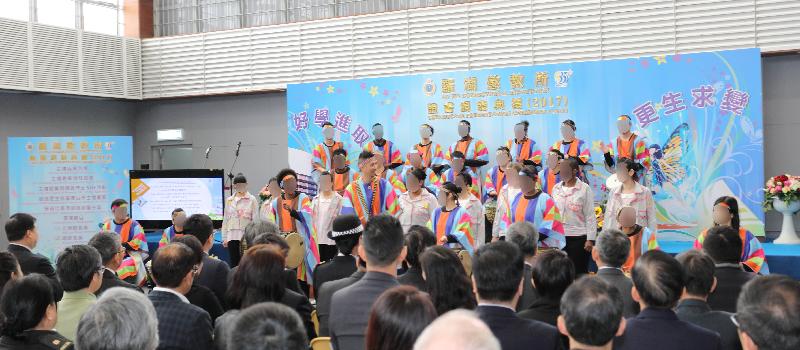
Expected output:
(782, 258)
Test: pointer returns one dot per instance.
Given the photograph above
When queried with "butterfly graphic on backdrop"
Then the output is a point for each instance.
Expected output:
(667, 159)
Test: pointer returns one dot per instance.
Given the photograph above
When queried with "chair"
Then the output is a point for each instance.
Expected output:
(315, 321)
(321, 343)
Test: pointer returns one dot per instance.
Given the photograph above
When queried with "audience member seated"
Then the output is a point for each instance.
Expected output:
(268, 326)
(23, 235)
(345, 232)
(214, 274)
(724, 245)
(553, 271)
(610, 252)
(181, 325)
(121, 319)
(326, 294)
(9, 269)
(111, 252)
(198, 294)
(382, 245)
(29, 314)
(255, 229)
(258, 279)
(526, 237)
(768, 314)
(591, 314)
(469, 334)
(80, 270)
(398, 317)
(448, 284)
(417, 239)
(277, 241)
(657, 286)
(693, 308)
(497, 270)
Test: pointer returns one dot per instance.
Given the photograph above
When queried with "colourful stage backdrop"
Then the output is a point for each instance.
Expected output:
(68, 184)
(701, 115)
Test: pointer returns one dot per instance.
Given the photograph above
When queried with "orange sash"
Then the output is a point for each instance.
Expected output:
(441, 225)
(426, 153)
(462, 147)
(551, 180)
(525, 150)
(625, 147)
(340, 181)
(521, 209)
(287, 221)
(125, 232)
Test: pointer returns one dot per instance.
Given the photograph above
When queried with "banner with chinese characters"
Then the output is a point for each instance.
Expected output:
(68, 184)
(700, 116)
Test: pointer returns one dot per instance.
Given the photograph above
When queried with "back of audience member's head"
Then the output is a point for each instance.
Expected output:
(448, 284)
(267, 326)
(382, 241)
(172, 263)
(18, 225)
(525, 235)
(658, 279)
(612, 248)
(194, 244)
(698, 269)
(591, 312)
(723, 244)
(121, 319)
(78, 266)
(258, 228)
(200, 226)
(469, 333)
(107, 244)
(417, 239)
(768, 313)
(497, 271)
(26, 303)
(275, 240)
(9, 269)
(259, 278)
(397, 318)
(552, 273)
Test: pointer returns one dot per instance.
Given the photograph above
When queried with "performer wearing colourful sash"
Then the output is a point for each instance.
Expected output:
(322, 155)
(342, 174)
(536, 207)
(176, 230)
(496, 176)
(627, 145)
(523, 148)
(432, 154)
(451, 223)
(369, 195)
(548, 177)
(642, 238)
(726, 213)
(416, 162)
(457, 163)
(572, 147)
(132, 238)
(475, 152)
(392, 157)
(474, 208)
(291, 211)
(508, 192)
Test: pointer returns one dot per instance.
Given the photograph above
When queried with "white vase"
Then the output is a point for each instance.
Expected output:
(788, 234)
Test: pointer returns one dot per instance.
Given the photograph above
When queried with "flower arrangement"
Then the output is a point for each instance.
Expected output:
(782, 187)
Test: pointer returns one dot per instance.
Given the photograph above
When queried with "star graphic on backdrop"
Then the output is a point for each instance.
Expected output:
(373, 91)
(317, 88)
(330, 89)
(305, 105)
(660, 59)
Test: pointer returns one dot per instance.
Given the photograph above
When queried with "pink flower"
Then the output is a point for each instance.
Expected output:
(778, 188)
(773, 190)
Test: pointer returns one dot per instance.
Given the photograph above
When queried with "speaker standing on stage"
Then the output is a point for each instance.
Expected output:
(240, 209)
(575, 201)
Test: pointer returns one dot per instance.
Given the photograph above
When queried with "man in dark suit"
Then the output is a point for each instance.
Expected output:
(769, 313)
(497, 281)
(382, 246)
(326, 294)
(611, 251)
(181, 325)
(724, 245)
(553, 272)
(693, 308)
(214, 274)
(591, 314)
(23, 235)
(346, 231)
(112, 253)
(658, 282)
(418, 238)
(526, 237)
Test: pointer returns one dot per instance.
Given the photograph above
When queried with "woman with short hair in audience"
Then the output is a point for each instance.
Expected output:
(29, 314)
(448, 284)
(9, 269)
(397, 318)
(418, 238)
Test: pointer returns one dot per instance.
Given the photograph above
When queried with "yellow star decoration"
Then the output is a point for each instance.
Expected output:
(660, 59)
(373, 91)
(331, 89)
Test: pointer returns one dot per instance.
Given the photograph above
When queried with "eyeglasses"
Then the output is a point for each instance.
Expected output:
(195, 268)
(735, 320)
(101, 269)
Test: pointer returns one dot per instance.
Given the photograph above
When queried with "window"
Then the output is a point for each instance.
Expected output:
(56, 12)
(101, 16)
(16, 9)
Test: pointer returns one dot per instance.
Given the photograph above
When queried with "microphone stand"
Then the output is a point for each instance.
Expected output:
(230, 174)
(208, 151)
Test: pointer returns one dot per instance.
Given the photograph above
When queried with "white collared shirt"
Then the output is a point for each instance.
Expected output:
(20, 245)
(167, 290)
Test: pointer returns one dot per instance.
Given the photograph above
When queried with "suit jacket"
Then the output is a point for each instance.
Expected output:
(528, 292)
(36, 340)
(337, 268)
(214, 276)
(624, 284)
(413, 277)
(30, 262)
(206, 300)
(181, 325)
(350, 309)
(698, 312)
(325, 296)
(659, 329)
(515, 333)
(729, 283)
(111, 280)
(543, 310)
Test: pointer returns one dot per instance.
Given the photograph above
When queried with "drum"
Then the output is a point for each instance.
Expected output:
(466, 260)
(491, 209)
(297, 249)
